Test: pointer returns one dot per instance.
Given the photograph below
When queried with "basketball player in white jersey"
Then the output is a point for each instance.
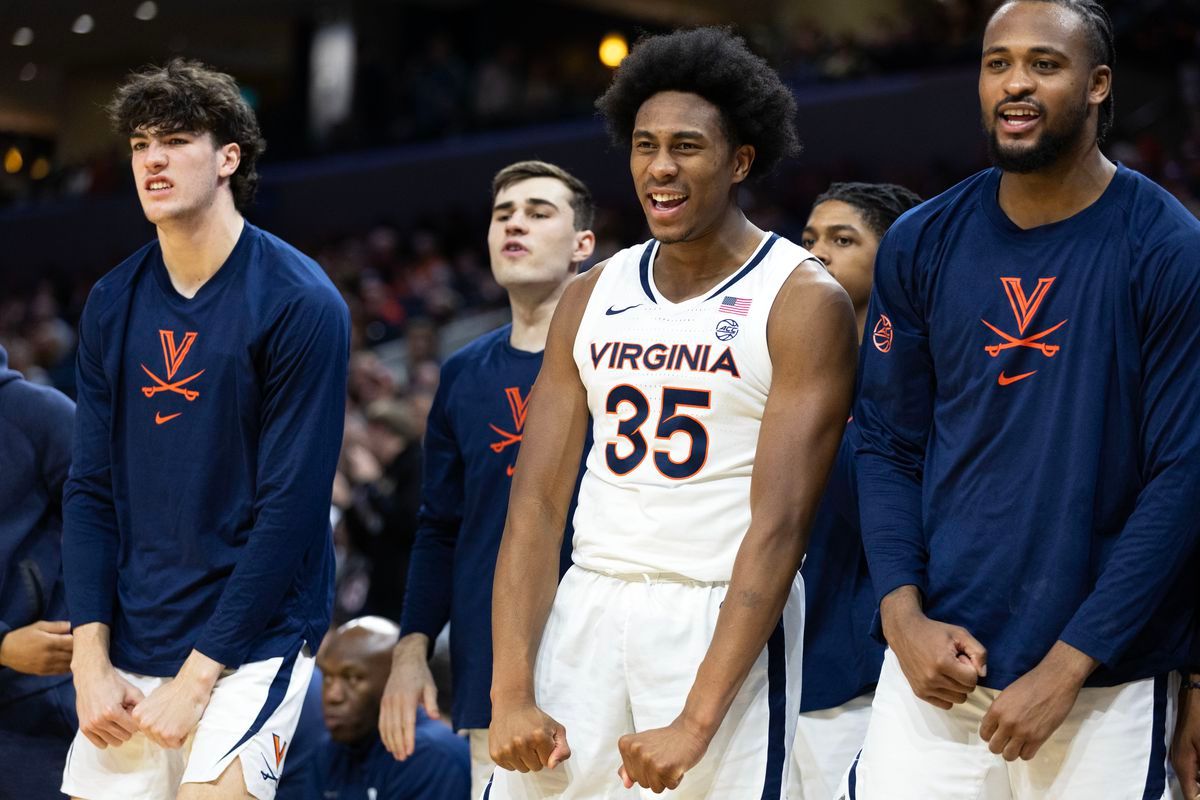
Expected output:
(717, 363)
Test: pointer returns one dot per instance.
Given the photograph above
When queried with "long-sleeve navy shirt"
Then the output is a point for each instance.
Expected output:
(1028, 408)
(207, 434)
(841, 658)
(35, 452)
(471, 442)
(438, 769)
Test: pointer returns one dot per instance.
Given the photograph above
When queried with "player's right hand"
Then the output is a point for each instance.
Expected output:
(409, 685)
(103, 701)
(942, 663)
(525, 739)
(41, 648)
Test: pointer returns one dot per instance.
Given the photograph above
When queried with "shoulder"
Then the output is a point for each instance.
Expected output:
(436, 743)
(470, 355)
(1157, 220)
(115, 283)
(294, 278)
(913, 228)
(42, 414)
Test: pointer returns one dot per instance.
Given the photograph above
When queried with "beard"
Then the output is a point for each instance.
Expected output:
(1046, 150)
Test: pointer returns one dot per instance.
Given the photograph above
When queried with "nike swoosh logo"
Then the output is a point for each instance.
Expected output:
(159, 419)
(1005, 380)
(612, 311)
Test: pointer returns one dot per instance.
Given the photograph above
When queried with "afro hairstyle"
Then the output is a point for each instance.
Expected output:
(756, 107)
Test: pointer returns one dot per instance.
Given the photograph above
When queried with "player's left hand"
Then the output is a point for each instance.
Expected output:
(657, 759)
(1185, 748)
(170, 712)
(1025, 714)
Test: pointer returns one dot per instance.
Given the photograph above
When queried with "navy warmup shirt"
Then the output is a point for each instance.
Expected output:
(841, 658)
(207, 434)
(438, 769)
(1028, 407)
(471, 441)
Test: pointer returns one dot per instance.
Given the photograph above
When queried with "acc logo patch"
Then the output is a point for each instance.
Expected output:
(882, 335)
(727, 329)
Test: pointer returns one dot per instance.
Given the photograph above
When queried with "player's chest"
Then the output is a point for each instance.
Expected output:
(179, 369)
(1004, 318)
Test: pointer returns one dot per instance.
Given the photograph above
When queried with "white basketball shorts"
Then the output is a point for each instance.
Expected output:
(251, 715)
(1113, 744)
(619, 656)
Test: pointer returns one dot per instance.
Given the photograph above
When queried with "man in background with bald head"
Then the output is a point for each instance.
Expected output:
(355, 661)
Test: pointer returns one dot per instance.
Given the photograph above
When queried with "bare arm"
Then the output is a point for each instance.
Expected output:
(812, 340)
(522, 737)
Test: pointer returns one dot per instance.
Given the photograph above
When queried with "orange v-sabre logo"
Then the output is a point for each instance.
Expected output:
(173, 357)
(519, 406)
(280, 748)
(1024, 309)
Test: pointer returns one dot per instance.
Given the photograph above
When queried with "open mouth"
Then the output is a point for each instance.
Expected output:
(1018, 120)
(667, 201)
(157, 185)
(514, 249)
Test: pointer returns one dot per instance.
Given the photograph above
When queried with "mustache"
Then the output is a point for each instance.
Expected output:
(1022, 99)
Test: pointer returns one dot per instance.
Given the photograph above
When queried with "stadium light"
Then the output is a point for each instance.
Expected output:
(147, 11)
(13, 161)
(83, 24)
(40, 168)
(28, 72)
(23, 37)
(613, 49)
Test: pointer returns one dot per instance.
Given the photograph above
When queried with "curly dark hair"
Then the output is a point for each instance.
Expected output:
(186, 95)
(880, 204)
(756, 108)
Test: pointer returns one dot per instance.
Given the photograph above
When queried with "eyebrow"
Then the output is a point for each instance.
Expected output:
(685, 134)
(508, 205)
(1041, 49)
(832, 228)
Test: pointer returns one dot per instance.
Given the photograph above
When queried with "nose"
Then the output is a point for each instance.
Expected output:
(1019, 82)
(517, 223)
(334, 694)
(663, 168)
(821, 250)
(156, 155)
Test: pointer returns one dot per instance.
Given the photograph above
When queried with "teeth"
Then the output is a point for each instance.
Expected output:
(159, 185)
(666, 198)
(1020, 112)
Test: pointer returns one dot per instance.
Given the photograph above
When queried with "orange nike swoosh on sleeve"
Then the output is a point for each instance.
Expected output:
(159, 419)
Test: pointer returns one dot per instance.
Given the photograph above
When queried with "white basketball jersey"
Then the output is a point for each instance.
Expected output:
(676, 392)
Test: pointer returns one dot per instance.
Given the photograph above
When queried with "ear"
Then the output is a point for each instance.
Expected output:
(1100, 84)
(585, 243)
(229, 156)
(743, 159)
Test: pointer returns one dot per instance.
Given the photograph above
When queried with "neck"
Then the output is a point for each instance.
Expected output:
(684, 269)
(194, 249)
(1058, 192)
(532, 309)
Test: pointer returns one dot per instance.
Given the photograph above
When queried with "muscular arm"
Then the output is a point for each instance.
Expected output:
(528, 562)
(811, 337)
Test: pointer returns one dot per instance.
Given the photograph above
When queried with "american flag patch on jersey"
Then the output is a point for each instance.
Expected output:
(735, 305)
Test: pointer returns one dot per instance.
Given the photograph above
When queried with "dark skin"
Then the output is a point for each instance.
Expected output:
(355, 662)
(679, 149)
(1185, 746)
(1035, 56)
